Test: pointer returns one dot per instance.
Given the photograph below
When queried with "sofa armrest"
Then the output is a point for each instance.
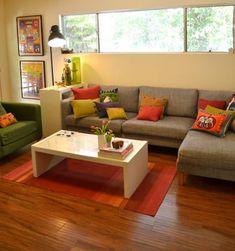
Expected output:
(25, 111)
(66, 109)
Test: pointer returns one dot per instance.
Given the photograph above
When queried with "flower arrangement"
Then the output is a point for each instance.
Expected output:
(104, 130)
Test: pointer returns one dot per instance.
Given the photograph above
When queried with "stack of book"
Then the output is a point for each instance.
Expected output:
(120, 154)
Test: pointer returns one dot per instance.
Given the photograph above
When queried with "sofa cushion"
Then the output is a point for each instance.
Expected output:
(101, 108)
(128, 96)
(152, 113)
(116, 113)
(86, 93)
(215, 95)
(199, 150)
(231, 105)
(87, 122)
(84, 107)
(214, 124)
(7, 120)
(152, 101)
(111, 93)
(17, 131)
(203, 103)
(168, 127)
(181, 102)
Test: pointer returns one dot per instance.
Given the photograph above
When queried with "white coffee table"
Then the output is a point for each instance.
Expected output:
(50, 151)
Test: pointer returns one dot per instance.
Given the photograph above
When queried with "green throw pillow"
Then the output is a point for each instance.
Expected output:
(113, 94)
(216, 111)
(2, 110)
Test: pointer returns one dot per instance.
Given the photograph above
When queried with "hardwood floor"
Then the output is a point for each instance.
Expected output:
(197, 216)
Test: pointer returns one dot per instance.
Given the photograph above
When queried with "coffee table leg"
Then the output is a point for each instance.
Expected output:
(135, 171)
(42, 162)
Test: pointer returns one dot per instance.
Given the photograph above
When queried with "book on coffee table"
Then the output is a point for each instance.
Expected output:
(121, 153)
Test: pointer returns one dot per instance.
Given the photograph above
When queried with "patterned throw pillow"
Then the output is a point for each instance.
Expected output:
(116, 113)
(216, 111)
(203, 103)
(112, 94)
(214, 124)
(152, 101)
(84, 107)
(101, 108)
(2, 110)
(231, 105)
(86, 93)
(152, 113)
(7, 119)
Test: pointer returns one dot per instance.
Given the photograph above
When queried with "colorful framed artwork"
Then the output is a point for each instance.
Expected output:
(32, 75)
(29, 35)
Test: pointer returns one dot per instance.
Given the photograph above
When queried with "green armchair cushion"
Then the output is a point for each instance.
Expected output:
(17, 131)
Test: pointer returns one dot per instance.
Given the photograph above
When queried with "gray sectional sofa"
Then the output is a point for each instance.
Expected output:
(199, 153)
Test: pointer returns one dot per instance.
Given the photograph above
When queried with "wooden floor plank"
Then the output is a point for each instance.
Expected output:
(197, 216)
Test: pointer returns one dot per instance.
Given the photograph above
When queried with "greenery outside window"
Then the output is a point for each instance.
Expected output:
(142, 31)
(80, 32)
(210, 28)
(194, 29)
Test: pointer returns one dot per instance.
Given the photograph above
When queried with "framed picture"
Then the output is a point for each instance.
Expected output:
(29, 35)
(32, 75)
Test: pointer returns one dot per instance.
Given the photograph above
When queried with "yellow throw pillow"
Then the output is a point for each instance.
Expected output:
(116, 113)
(84, 107)
(152, 101)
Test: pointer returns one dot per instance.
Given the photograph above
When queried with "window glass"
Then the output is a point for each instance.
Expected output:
(80, 32)
(142, 31)
(210, 28)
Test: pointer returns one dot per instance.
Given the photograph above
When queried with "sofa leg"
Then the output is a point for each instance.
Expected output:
(182, 178)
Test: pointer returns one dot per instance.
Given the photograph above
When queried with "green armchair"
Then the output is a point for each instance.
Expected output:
(25, 131)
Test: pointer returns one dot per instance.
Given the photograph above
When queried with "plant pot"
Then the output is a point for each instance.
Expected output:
(101, 140)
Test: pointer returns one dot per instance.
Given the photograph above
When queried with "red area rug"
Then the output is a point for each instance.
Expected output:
(101, 183)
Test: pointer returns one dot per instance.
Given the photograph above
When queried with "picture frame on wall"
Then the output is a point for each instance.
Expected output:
(29, 35)
(32, 74)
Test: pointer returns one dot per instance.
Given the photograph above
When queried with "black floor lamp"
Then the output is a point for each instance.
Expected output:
(56, 39)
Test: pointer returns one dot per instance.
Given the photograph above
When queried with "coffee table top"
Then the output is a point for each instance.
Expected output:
(75, 144)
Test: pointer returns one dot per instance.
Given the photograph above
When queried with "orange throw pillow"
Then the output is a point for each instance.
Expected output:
(152, 101)
(214, 124)
(7, 119)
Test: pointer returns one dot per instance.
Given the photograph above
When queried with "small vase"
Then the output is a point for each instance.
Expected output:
(101, 140)
(108, 140)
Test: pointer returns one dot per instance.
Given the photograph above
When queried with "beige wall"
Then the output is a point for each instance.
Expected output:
(207, 71)
(4, 82)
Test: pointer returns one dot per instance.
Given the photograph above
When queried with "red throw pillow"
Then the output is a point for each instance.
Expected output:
(152, 113)
(203, 103)
(86, 93)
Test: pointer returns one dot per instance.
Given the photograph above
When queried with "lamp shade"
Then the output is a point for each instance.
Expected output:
(56, 39)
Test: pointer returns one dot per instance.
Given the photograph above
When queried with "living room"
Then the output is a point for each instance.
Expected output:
(198, 215)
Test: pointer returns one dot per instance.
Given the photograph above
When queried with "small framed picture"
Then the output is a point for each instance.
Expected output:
(32, 74)
(29, 35)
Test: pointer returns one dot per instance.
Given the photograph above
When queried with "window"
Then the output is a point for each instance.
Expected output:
(210, 28)
(205, 29)
(80, 32)
(142, 31)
